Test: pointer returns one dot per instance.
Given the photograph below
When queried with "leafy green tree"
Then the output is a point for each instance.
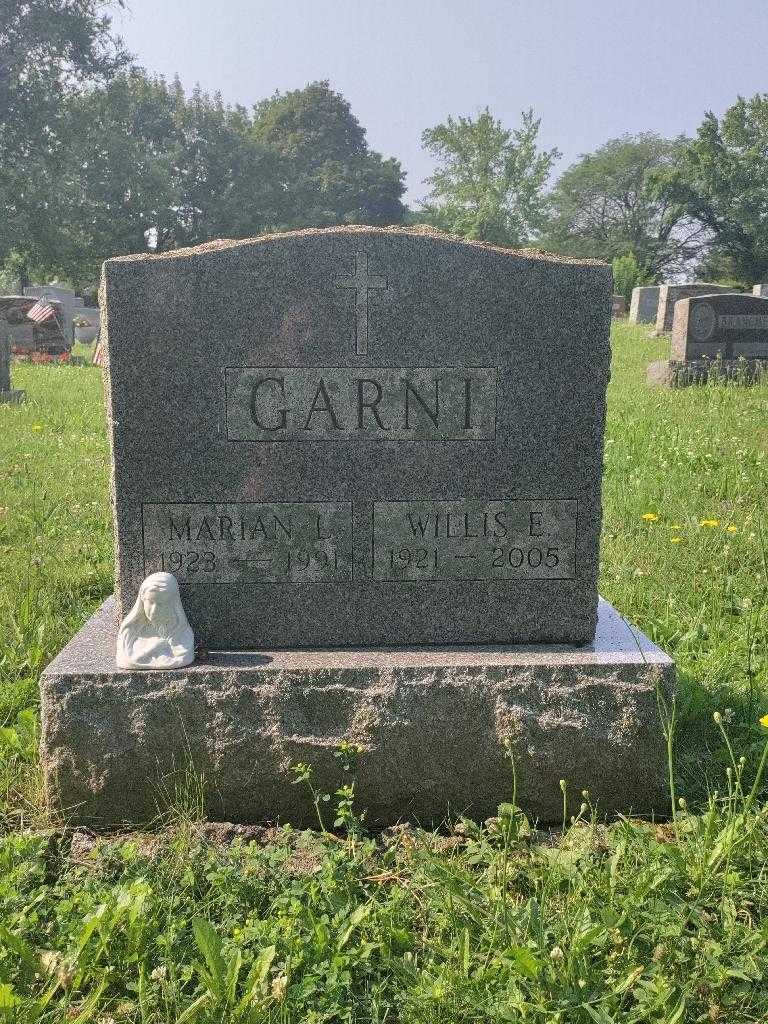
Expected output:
(626, 275)
(608, 204)
(49, 50)
(490, 181)
(721, 181)
(228, 184)
(152, 168)
(329, 174)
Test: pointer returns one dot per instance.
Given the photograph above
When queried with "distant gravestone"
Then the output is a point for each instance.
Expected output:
(618, 307)
(70, 304)
(7, 393)
(669, 294)
(27, 336)
(372, 459)
(87, 330)
(725, 334)
(760, 290)
(644, 307)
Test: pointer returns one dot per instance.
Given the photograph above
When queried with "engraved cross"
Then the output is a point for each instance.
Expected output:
(362, 282)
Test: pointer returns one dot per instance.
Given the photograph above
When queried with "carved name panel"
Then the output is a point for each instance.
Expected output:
(471, 539)
(374, 404)
(249, 542)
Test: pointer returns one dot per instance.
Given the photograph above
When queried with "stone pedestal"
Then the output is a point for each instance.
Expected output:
(680, 373)
(438, 728)
(12, 397)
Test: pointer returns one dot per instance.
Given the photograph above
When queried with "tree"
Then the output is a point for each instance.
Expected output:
(228, 184)
(490, 181)
(49, 50)
(721, 181)
(608, 205)
(329, 174)
(626, 275)
(155, 169)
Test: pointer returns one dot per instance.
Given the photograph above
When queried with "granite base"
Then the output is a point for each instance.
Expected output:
(12, 397)
(438, 729)
(673, 373)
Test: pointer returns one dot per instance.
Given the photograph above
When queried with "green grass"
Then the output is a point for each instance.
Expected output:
(626, 921)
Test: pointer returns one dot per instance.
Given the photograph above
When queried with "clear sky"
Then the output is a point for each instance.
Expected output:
(591, 69)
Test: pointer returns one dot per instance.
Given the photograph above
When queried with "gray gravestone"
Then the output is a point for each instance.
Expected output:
(70, 304)
(669, 294)
(347, 445)
(27, 336)
(90, 320)
(7, 393)
(618, 307)
(761, 290)
(644, 307)
(725, 334)
(378, 437)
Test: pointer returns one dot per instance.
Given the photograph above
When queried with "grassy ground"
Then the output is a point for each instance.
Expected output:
(625, 922)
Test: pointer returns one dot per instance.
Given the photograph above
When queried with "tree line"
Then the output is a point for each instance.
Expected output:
(99, 158)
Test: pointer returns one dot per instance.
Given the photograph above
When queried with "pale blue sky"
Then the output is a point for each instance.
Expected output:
(592, 70)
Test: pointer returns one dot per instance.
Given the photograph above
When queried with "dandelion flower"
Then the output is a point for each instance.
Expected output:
(731, 528)
(676, 526)
(764, 721)
(709, 522)
(649, 517)
(675, 540)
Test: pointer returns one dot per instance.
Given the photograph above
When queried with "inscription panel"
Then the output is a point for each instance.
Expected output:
(474, 539)
(368, 403)
(249, 542)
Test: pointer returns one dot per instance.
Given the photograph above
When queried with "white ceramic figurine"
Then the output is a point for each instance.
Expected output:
(155, 633)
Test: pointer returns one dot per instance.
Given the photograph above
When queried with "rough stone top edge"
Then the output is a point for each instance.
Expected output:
(414, 231)
(90, 653)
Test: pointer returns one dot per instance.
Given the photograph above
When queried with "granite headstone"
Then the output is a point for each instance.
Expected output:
(7, 393)
(372, 458)
(669, 294)
(27, 336)
(761, 290)
(725, 334)
(360, 436)
(618, 307)
(70, 304)
(644, 307)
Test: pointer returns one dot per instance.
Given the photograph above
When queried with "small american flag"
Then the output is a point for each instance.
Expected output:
(40, 312)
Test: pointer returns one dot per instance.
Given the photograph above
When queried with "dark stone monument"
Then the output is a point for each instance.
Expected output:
(644, 307)
(7, 393)
(725, 335)
(618, 307)
(366, 455)
(28, 337)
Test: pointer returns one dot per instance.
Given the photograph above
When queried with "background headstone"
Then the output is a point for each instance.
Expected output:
(26, 336)
(360, 436)
(618, 307)
(760, 290)
(644, 307)
(87, 333)
(7, 393)
(725, 326)
(669, 294)
(722, 336)
(70, 304)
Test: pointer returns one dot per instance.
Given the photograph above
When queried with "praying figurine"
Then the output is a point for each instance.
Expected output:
(155, 633)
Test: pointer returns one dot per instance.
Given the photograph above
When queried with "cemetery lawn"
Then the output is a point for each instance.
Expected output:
(630, 921)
